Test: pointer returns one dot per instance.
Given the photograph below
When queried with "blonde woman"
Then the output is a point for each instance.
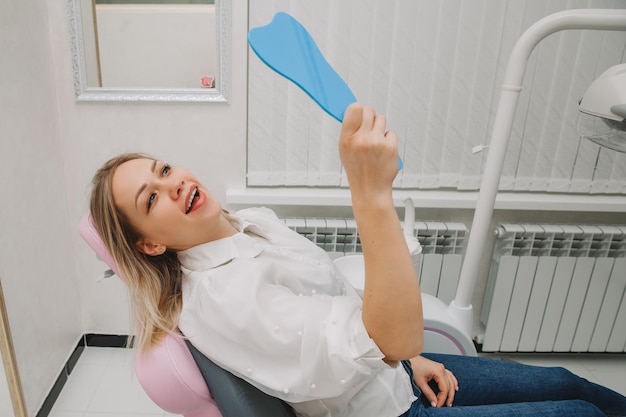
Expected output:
(269, 306)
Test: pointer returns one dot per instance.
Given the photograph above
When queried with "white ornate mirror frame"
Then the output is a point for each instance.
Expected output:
(219, 94)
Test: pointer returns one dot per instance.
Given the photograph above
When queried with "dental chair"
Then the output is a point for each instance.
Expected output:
(181, 380)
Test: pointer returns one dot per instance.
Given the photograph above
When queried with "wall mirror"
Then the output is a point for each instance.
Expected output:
(150, 50)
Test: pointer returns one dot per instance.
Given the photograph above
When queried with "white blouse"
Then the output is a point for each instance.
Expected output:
(269, 306)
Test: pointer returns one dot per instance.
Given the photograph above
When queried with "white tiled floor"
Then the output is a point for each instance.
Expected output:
(103, 384)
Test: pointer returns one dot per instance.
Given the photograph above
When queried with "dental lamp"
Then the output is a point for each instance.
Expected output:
(603, 110)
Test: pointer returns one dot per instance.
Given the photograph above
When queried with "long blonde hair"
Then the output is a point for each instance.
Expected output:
(154, 282)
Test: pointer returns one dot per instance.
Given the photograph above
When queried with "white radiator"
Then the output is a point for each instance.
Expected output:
(556, 288)
(438, 267)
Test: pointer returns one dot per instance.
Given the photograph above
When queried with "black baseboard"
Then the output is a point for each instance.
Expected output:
(93, 340)
(106, 340)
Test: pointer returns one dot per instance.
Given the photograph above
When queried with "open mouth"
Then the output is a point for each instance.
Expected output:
(193, 198)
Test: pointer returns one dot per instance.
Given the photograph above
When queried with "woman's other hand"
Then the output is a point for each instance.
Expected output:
(424, 371)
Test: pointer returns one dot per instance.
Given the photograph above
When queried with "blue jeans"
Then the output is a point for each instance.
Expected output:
(495, 388)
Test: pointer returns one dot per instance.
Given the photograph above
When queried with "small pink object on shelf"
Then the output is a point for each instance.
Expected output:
(208, 81)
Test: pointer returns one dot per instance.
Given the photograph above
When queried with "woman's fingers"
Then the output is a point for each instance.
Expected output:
(363, 120)
(429, 394)
(369, 116)
(447, 384)
(454, 381)
(352, 120)
(367, 150)
(441, 378)
(425, 371)
(379, 124)
(452, 385)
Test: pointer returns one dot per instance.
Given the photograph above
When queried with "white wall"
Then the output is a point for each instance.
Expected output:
(209, 138)
(50, 147)
(36, 253)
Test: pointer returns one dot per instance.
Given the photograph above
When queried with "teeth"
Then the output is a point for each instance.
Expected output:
(191, 197)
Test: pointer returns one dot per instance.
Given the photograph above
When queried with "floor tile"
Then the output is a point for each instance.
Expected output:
(66, 414)
(122, 414)
(96, 356)
(119, 391)
(103, 383)
(572, 364)
(80, 388)
(610, 372)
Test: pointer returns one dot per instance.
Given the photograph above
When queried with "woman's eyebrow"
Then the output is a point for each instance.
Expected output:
(143, 187)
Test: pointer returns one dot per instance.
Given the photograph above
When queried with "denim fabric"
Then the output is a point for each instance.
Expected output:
(495, 388)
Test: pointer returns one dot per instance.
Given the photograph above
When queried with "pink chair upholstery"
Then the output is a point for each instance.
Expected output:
(168, 372)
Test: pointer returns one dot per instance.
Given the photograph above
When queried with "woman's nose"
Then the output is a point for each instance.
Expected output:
(176, 188)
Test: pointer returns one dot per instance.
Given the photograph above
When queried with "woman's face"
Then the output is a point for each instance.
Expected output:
(167, 205)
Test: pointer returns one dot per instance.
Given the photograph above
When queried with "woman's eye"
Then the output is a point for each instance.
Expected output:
(151, 199)
(165, 170)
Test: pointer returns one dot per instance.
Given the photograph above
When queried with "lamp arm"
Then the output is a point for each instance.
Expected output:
(585, 19)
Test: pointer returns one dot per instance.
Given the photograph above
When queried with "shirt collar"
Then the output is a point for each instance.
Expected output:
(210, 255)
(244, 225)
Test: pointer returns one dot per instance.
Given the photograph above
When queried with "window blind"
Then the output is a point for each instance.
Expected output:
(435, 68)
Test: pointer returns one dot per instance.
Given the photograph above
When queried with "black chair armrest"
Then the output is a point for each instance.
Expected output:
(236, 397)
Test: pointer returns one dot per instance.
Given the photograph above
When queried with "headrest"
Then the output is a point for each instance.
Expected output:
(88, 232)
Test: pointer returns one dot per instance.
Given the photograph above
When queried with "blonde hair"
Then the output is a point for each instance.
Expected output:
(154, 282)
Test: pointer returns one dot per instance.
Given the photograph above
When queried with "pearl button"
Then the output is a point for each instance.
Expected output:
(249, 370)
(314, 292)
(299, 332)
(343, 381)
(313, 386)
(286, 391)
(276, 329)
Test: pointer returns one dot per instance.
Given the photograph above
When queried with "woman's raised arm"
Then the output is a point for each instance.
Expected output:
(392, 306)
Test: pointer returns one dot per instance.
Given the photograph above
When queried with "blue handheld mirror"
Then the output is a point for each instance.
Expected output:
(286, 46)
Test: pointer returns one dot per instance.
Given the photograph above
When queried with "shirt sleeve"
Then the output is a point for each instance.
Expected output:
(292, 346)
